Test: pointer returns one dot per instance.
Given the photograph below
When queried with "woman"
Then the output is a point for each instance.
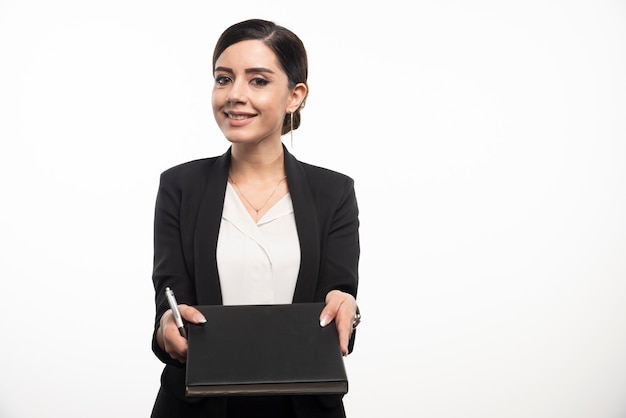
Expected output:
(254, 225)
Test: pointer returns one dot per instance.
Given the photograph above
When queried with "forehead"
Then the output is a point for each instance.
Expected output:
(248, 54)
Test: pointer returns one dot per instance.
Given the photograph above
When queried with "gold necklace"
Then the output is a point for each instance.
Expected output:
(246, 199)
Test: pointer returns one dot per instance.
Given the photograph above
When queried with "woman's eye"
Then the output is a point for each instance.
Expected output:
(222, 80)
(258, 81)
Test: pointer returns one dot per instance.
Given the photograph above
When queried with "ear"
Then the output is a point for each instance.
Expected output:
(298, 94)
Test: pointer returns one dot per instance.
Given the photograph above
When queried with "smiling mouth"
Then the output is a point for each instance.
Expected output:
(237, 117)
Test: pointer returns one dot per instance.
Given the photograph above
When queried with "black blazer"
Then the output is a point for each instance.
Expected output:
(188, 214)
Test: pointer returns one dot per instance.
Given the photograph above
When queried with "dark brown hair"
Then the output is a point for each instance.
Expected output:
(288, 48)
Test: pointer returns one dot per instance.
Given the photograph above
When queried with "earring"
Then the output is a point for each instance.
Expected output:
(291, 130)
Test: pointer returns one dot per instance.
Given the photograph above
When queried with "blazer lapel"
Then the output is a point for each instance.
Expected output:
(306, 223)
(208, 288)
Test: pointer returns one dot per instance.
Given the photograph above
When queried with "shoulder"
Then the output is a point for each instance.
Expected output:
(315, 174)
(191, 174)
(326, 177)
(331, 192)
(189, 168)
(186, 180)
(324, 186)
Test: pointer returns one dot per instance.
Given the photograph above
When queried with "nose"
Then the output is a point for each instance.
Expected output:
(237, 92)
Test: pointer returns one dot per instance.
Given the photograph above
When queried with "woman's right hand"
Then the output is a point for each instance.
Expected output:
(168, 335)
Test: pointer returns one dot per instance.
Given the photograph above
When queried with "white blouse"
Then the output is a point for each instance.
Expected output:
(258, 263)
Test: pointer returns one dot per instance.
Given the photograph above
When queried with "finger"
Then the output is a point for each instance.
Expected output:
(344, 321)
(173, 343)
(328, 315)
(191, 314)
(344, 330)
(333, 302)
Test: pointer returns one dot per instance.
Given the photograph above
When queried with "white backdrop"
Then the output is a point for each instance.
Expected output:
(487, 140)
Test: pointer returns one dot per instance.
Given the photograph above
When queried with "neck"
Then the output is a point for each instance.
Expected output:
(259, 165)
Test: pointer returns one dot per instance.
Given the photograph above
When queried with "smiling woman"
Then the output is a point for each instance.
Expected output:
(252, 91)
(486, 141)
(254, 225)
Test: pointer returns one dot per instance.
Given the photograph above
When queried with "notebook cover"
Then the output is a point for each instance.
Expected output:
(264, 350)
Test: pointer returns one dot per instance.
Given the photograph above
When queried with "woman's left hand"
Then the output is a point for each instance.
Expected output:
(340, 307)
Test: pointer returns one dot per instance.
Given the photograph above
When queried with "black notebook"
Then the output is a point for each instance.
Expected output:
(264, 350)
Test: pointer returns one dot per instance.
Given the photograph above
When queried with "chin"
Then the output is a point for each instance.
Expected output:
(236, 139)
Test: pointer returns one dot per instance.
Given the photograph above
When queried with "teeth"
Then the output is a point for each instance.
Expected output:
(237, 117)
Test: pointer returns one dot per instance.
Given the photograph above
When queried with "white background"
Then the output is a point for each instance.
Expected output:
(487, 140)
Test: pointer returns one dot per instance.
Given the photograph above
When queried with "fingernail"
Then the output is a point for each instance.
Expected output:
(324, 321)
(201, 319)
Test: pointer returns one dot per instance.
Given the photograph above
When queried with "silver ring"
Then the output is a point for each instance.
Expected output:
(356, 320)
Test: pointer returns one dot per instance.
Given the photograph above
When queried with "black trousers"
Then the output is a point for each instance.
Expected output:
(168, 406)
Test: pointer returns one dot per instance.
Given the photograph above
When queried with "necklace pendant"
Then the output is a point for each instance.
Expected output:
(248, 202)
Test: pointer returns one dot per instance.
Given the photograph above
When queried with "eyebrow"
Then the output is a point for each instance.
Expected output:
(247, 71)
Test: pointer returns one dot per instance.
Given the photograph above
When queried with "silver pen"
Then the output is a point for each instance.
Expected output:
(174, 307)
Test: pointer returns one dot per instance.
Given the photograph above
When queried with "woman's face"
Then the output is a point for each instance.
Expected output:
(251, 93)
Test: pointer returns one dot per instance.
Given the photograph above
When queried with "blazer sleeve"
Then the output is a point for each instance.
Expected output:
(327, 218)
(170, 266)
(341, 249)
